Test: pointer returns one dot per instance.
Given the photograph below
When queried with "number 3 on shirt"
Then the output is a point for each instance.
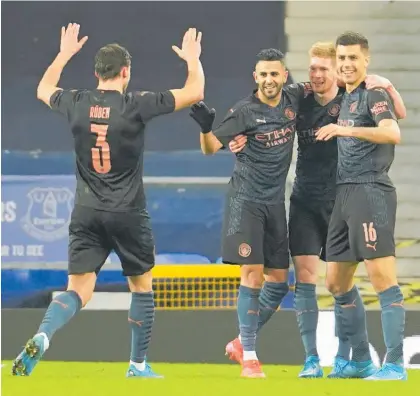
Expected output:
(101, 155)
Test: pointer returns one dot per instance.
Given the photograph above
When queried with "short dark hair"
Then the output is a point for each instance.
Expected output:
(270, 54)
(352, 38)
(110, 59)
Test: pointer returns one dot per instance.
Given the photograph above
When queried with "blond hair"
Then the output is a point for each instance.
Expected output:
(323, 50)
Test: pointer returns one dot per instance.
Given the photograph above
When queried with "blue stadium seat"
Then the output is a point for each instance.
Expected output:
(181, 258)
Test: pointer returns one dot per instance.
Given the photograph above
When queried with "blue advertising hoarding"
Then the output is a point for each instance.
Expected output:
(35, 218)
(36, 212)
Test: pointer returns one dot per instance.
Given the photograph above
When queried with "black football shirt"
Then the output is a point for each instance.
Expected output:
(108, 129)
(360, 161)
(261, 167)
(316, 165)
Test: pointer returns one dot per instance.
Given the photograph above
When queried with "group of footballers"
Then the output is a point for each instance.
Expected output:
(342, 210)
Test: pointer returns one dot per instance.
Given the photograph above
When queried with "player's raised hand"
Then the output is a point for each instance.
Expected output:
(203, 116)
(70, 43)
(375, 81)
(191, 45)
(238, 144)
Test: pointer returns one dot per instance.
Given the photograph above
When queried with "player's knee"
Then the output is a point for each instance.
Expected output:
(339, 279)
(86, 298)
(306, 269)
(336, 286)
(332, 287)
(276, 275)
(252, 276)
(141, 283)
(84, 295)
(83, 285)
(306, 275)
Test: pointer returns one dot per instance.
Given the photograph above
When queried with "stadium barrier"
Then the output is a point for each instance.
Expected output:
(176, 287)
(191, 336)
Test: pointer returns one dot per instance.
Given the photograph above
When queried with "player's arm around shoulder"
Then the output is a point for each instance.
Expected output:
(374, 81)
(299, 90)
(193, 90)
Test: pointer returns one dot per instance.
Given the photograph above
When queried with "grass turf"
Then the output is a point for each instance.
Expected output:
(108, 379)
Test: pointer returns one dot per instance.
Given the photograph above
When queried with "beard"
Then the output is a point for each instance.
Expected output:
(272, 92)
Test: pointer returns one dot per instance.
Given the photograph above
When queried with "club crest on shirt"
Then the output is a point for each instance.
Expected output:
(334, 110)
(244, 250)
(49, 213)
(289, 113)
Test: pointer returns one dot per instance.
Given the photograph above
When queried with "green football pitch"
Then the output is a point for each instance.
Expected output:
(108, 379)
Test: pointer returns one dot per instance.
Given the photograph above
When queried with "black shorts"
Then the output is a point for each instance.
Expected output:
(308, 227)
(362, 223)
(255, 233)
(93, 234)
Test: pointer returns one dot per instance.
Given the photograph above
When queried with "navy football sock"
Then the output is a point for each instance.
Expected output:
(344, 346)
(271, 296)
(393, 321)
(306, 307)
(352, 317)
(141, 317)
(248, 308)
(59, 312)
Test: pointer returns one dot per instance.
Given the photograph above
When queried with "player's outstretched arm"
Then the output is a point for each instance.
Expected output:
(193, 90)
(69, 46)
(374, 81)
(212, 140)
(204, 117)
(209, 143)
